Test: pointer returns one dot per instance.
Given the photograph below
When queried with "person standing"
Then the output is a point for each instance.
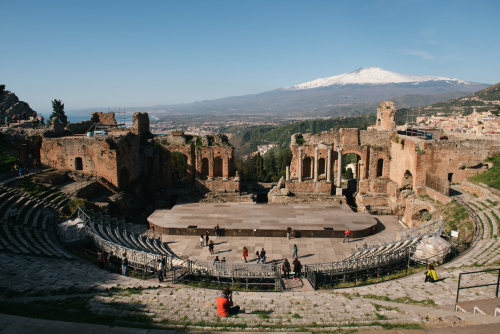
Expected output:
(262, 256)
(347, 235)
(297, 268)
(211, 247)
(201, 241)
(288, 232)
(124, 264)
(257, 254)
(216, 260)
(100, 259)
(286, 268)
(245, 254)
(164, 266)
(159, 270)
(207, 238)
(295, 251)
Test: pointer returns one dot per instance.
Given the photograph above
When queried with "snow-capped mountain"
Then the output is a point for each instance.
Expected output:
(341, 95)
(372, 75)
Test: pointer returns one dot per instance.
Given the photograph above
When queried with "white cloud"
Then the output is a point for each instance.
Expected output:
(418, 53)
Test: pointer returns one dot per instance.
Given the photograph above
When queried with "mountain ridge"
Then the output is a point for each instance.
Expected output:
(371, 75)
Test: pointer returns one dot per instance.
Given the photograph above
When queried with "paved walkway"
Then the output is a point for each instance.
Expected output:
(311, 250)
(23, 325)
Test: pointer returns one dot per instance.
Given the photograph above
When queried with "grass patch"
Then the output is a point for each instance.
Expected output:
(34, 189)
(493, 203)
(456, 218)
(296, 316)
(261, 314)
(491, 177)
(401, 300)
(491, 225)
(483, 204)
(379, 307)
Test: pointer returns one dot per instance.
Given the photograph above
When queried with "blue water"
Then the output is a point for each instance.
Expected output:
(120, 118)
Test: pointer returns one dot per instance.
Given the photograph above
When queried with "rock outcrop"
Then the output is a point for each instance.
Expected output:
(10, 106)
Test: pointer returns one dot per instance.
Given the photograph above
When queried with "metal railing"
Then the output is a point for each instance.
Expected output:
(459, 287)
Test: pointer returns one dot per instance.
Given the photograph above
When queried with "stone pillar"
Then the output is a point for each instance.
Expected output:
(288, 173)
(225, 168)
(339, 168)
(211, 165)
(329, 166)
(316, 164)
(300, 164)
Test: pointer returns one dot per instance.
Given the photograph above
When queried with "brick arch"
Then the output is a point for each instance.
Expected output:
(218, 166)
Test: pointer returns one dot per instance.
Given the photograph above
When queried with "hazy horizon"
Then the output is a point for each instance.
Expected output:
(132, 54)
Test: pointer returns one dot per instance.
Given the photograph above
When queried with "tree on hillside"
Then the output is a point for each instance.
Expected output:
(2, 88)
(58, 111)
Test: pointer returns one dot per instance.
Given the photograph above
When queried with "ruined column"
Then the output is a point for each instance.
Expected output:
(300, 164)
(316, 164)
(211, 164)
(288, 173)
(225, 168)
(329, 166)
(339, 167)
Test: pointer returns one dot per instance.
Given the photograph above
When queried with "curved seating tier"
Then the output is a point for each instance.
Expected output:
(31, 230)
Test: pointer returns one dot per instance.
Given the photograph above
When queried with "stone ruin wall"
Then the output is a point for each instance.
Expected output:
(439, 157)
(98, 158)
(209, 159)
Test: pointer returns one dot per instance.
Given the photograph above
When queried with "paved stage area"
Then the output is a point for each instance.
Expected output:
(311, 250)
(267, 219)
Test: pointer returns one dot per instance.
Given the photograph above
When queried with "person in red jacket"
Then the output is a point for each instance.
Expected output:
(347, 235)
(245, 253)
(225, 303)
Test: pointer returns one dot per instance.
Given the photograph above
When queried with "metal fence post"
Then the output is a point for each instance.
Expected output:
(498, 282)
(458, 287)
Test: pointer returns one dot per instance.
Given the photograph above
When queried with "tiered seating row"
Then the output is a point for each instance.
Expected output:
(27, 232)
(122, 237)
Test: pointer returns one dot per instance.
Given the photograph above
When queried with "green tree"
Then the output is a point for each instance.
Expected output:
(58, 111)
(2, 88)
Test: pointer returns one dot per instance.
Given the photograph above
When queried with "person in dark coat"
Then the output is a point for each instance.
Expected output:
(297, 268)
(286, 269)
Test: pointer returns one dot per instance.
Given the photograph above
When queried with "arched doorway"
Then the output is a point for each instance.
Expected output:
(307, 168)
(380, 167)
(78, 163)
(321, 167)
(217, 167)
(407, 182)
(124, 178)
(204, 167)
(179, 168)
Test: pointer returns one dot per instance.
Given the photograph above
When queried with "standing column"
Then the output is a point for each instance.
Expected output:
(316, 164)
(339, 167)
(329, 166)
(211, 165)
(300, 164)
(287, 173)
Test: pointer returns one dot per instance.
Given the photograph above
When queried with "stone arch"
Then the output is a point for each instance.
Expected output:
(321, 166)
(380, 167)
(218, 167)
(124, 177)
(307, 167)
(407, 182)
(204, 167)
(78, 163)
(354, 158)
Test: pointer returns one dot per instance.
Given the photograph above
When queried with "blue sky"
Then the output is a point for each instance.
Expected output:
(143, 53)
